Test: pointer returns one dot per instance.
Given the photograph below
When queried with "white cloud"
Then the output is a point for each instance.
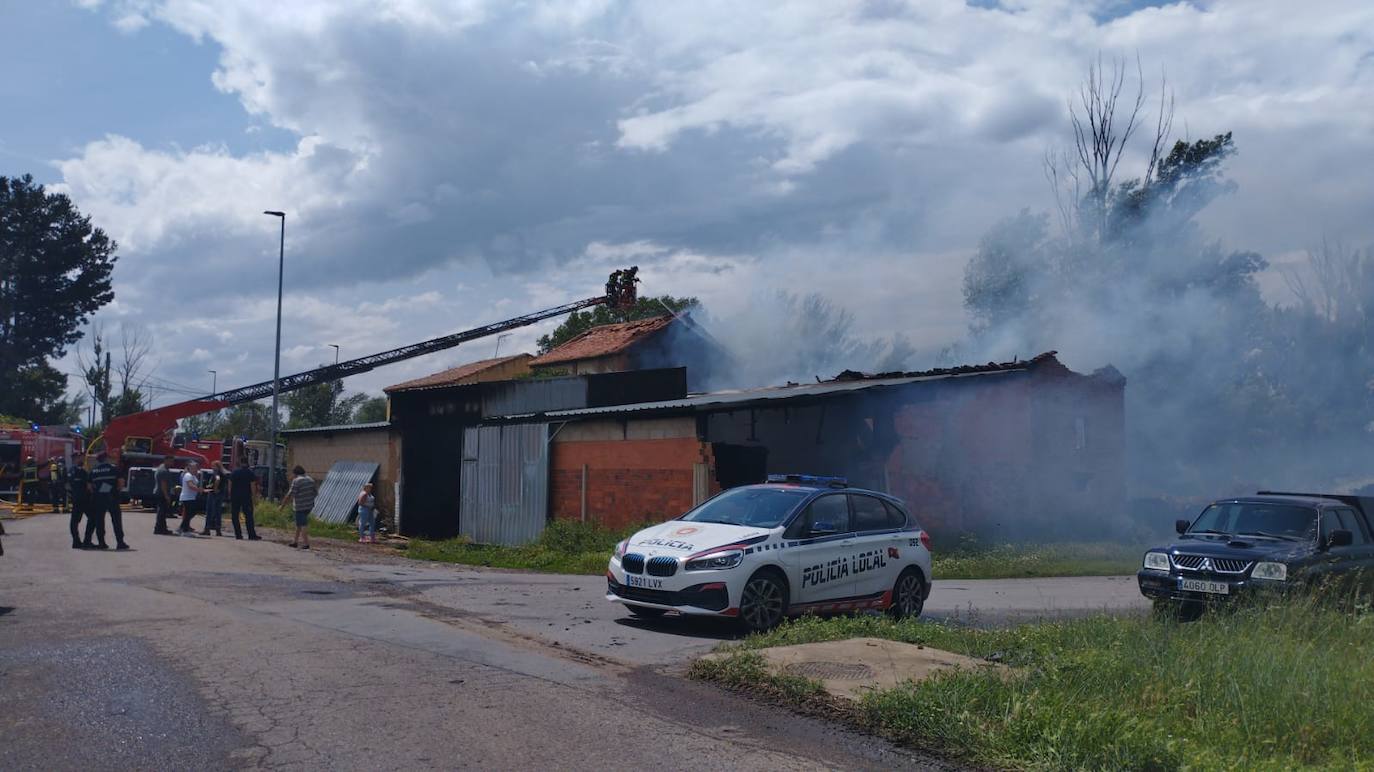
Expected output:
(516, 152)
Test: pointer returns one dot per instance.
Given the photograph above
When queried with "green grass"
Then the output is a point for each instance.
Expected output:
(274, 515)
(1277, 687)
(973, 561)
(564, 548)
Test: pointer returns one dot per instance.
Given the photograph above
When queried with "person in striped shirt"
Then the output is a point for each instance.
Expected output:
(302, 495)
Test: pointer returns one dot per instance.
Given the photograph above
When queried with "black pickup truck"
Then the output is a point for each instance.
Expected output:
(1263, 543)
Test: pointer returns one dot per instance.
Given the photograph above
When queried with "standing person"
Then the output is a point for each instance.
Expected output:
(302, 494)
(105, 499)
(190, 492)
(28, 481)
(241, 483)
(79, 485)
(57, 484)
(214, 499)
(367, 515)
(165, 480)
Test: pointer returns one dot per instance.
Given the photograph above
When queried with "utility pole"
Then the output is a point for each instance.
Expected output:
(214, 381)
(276, 361)
(334, 346)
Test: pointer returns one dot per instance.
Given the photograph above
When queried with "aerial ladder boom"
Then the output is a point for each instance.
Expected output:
(620, 293)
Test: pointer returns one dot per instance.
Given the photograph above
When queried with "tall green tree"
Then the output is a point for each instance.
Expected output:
(55, 271)
(321, 405)
(579, 322)
(370, 410)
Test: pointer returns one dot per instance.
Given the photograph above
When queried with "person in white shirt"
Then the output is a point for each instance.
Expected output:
(190, 493)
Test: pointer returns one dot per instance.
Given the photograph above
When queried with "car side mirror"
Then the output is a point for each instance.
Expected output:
(1340, 538)
(1181, 526)
(822, 528)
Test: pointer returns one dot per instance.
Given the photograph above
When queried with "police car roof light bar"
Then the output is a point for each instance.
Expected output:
(809, 479)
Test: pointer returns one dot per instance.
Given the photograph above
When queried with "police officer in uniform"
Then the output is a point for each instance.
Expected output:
(79, 485)
(105, 498)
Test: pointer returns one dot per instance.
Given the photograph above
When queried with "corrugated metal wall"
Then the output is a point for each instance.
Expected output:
(339, 491)
(538, 395)
(504, 483)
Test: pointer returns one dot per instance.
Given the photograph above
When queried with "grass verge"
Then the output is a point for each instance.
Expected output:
(274, 515)
(564, 547)
(1010, 561)
(1274, 687)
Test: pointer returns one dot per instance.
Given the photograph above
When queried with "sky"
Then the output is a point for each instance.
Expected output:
(448, 164)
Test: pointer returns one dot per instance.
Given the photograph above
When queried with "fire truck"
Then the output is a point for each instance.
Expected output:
(139, 442)
(41, 443)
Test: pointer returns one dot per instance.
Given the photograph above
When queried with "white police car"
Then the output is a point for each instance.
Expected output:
(760, 552)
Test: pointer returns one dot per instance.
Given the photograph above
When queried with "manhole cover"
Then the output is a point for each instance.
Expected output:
(834, 671)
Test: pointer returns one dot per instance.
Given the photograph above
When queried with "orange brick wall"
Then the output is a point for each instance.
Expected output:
(628, 481)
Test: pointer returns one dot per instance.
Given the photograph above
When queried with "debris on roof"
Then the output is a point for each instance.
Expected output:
(1046, 358)
(604, 340)
(472, 372)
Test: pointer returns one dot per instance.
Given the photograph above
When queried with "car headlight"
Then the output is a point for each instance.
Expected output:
(1277, 572)
(620, 549)
(1157, 561)
(716, 561)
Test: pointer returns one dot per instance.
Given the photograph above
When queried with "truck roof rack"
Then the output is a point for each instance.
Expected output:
(809, 479)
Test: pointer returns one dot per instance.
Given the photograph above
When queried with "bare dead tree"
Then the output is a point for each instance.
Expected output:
(1335, 283)
(135, 344)
(1104, 118)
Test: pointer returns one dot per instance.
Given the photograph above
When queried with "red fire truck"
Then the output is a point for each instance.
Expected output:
(41, 443)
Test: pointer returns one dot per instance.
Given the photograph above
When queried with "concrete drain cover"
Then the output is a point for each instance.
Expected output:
(834, 671)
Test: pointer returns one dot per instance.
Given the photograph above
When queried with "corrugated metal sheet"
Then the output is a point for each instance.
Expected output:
(537, 395)
(757, 396)
(339, 428)
(504, 483)
(340, 489)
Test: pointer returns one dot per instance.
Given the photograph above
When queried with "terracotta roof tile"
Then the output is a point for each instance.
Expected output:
(604, 340)
(455, 375)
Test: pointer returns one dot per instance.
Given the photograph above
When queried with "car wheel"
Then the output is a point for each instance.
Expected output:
(908, 596)
(763, 604)
(645, 611)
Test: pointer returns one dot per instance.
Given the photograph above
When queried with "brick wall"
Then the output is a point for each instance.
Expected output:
(628, 481)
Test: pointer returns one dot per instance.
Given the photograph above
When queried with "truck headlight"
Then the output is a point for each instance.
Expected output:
(1156, 561)
(716, 561)
(1277, 572)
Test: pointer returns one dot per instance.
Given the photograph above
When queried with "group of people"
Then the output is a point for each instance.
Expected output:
(94, 494)
(178, 494)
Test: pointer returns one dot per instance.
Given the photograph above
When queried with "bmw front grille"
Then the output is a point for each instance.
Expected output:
(633, 563)
(662, 565)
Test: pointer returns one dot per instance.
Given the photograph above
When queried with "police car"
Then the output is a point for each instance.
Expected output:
(761, 552)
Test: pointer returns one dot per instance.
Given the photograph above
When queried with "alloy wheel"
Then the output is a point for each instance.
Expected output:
(762, 605)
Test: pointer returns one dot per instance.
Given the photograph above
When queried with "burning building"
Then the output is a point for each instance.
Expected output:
(656, 342)
(1022, 449)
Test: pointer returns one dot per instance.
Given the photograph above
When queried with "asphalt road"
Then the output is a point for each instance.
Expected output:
(210, 653)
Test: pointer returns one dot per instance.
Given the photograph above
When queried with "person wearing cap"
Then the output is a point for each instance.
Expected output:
(105, 500)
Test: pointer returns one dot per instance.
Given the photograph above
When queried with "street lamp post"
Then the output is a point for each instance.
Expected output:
(214, 382)
(499, 338)
(334, 346)
(276, 361)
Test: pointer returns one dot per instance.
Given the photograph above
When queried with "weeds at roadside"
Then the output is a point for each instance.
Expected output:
(273, 515)
(564, 547)
(1263, 687)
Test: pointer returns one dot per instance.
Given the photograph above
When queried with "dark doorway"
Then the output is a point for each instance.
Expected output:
(738, 465)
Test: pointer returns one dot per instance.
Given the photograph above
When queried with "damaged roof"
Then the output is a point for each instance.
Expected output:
(991, 367)
(604, 340)
(848, 382)
(454, 376)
